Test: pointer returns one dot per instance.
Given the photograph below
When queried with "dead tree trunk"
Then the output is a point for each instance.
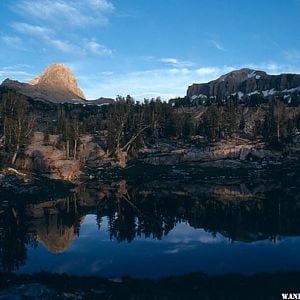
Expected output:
(13, 160)
(68, 149)
(123, 152)
(75, 149)
(129, 143)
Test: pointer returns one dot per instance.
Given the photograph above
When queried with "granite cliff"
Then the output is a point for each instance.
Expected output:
(246, 82)
(56, 84)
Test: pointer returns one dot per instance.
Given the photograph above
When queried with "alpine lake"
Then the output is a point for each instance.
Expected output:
(153, 222)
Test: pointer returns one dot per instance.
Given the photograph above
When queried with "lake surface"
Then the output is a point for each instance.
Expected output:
(148, 226)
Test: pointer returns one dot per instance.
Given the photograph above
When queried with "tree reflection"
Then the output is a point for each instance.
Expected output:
(154, 212)
(150, 210)
(14, 237)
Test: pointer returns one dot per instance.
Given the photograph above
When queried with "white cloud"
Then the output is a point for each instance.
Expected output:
(168, 61)
(48, 36)
(33, 30)
(172, 61)
(176, 62)
(102, 5)
(107, 73)
(97, 48)
(217, 45)
(207, 71)
(62, 12)
(13, 74)
(274, 68)
(55, 23)
(183, 234)
(165, 83)
(13, 42)
(17, 66)
(65, 46)
(16, 72)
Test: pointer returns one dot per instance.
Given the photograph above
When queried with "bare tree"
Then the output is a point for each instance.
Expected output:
(279, 114)
(18, 123)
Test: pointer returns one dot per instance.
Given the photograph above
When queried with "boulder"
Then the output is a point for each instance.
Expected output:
(53, 139)
(90, 152)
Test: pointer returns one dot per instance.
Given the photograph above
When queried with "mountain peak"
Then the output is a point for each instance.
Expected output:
(59, 76)
(241, 74)
(52, 68)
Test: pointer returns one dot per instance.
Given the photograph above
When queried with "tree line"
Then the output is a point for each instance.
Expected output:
(128, 124)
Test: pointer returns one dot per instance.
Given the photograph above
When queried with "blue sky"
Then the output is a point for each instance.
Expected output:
(147, 48)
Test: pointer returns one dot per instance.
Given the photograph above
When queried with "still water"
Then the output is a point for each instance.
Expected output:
(154, 228)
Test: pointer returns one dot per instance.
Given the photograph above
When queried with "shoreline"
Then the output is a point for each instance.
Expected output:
(190, 286)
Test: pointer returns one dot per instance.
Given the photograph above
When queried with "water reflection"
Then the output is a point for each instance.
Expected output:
(55, 223)
(14, 236)
(235, 212)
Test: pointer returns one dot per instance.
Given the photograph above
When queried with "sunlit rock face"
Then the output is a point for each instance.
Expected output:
(246, 82)
(235, 150)
(51, 228)
(56, 239)
(56, 84)
(45, 158)
(90, 152)
(60, 77)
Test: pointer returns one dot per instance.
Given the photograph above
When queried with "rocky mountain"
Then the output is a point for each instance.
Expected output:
(60, 77)
(246, 82)
(56, 84)
(101, 101)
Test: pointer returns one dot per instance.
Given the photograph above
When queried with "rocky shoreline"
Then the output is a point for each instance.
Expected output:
(44, 156)
(230, 158)
(192, 286)
(169, 153)
(28, 186)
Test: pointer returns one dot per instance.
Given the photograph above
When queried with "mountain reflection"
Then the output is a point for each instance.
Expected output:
(55, 223)
(239, 211)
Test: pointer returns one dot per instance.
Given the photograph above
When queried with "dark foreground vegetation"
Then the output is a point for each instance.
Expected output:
(128, 125)
(192, 286)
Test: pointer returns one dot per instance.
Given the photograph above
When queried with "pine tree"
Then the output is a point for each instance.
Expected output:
(242, 123)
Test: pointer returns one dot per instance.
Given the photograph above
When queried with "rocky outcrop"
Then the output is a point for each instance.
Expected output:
(101, 101)
(48, 157)
(61, 77)
(56, 84)
(56, 239)
(48, 160)
(237, 149)
(91, 154)
(46, 223)
(246, 82)
(294, 147)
